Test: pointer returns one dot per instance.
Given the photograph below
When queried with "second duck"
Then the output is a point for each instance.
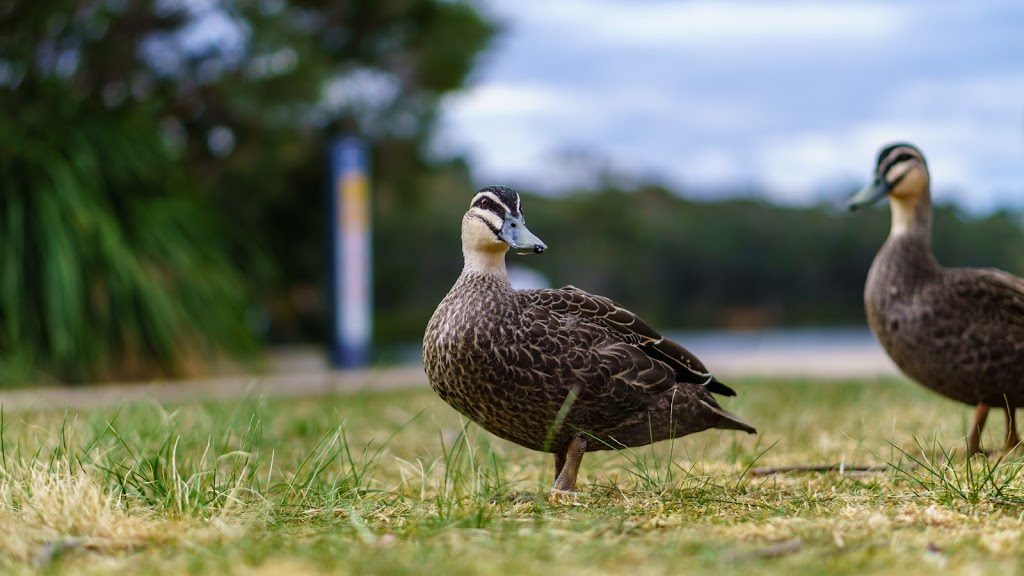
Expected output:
(957, 331)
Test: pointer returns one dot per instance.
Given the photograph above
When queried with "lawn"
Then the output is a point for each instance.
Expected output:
(397, 483)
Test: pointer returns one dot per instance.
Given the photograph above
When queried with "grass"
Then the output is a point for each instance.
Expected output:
(397, 483)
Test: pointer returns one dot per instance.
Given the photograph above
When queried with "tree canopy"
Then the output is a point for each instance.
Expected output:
(163, 169)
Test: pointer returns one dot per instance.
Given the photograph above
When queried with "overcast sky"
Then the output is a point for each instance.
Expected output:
(792, 97)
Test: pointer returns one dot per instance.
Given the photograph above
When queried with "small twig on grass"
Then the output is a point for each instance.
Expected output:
(1005, 502)
(841, 468)
(51, 550)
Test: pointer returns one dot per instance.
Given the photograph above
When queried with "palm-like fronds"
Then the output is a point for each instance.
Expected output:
(109, 265)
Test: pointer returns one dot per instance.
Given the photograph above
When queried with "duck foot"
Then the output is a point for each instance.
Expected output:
(517, 498)
(533, 498)
(1012, 443)
(556, 495)
(956, 454)
(1012, 449)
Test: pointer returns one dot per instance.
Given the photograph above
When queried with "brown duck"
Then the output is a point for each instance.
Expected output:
(560, 371)
(957, 331)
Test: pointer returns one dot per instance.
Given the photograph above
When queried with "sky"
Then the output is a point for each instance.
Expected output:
(792, 99)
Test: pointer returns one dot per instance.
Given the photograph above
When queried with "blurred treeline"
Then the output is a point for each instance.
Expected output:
(162, 191)
(740, 263)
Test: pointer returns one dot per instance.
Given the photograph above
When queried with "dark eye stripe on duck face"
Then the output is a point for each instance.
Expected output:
(506, 197)
(895, 161)
(490, 209)
(493, 203)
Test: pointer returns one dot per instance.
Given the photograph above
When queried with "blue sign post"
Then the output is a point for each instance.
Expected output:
(350, 267)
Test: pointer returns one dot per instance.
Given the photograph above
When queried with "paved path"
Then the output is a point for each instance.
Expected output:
(296, 384)
(776, 362)
(303, 372)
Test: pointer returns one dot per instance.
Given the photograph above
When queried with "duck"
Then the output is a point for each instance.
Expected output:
(561, 371)
(956, 331)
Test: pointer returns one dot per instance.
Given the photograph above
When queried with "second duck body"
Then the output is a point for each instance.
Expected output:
(957, 331)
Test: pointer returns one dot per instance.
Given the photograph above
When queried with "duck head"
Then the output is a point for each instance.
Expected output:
(494, 223)
(901, 174)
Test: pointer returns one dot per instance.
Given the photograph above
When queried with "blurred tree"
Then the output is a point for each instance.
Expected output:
(155, 153)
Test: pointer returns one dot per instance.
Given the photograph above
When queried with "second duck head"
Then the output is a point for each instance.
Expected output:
(901, 173)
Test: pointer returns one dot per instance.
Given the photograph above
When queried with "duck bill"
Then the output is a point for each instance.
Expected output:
(519, 237)
(868, 195)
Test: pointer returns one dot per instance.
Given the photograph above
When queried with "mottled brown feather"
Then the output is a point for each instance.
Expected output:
(509, 360)
(957, 331)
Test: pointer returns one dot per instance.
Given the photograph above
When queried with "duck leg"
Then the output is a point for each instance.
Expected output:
(1012, 439)
(559, 463)
(974, 438)
(566, 480)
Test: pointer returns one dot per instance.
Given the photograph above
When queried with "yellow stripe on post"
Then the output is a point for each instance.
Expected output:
(351, 270)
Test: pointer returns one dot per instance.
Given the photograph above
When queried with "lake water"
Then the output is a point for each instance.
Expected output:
(807, 340)
(842, 352)
(832, 352)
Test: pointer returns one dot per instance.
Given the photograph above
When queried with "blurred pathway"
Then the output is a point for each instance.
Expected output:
(303, 372)
(290, 373)
(835, 364)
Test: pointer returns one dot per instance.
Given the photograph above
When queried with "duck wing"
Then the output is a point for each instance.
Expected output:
(997, 290)
(644, 346)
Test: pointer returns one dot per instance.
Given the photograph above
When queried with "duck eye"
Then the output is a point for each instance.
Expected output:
(484, 202)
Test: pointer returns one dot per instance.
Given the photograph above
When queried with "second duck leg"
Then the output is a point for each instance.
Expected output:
(974, 438)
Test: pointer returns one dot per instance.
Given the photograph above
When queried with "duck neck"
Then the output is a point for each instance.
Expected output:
(485, 262)
(908, 252)
(912, 218)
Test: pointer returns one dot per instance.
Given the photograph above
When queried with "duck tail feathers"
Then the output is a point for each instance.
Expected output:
(733, 422)
(715, 386)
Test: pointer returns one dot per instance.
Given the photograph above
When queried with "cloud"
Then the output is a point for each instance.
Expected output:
(712, 165)
(507, 129)
(793, 96)
(795, 167)
(507, 99)
(707, 24)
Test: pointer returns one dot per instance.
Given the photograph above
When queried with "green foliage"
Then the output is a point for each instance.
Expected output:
(156, 154)
(107, 264)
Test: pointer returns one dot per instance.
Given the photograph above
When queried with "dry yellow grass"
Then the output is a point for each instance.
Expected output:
(396, 483)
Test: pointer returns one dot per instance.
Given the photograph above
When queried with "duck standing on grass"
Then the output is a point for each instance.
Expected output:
(560, 371)
(957, 331)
